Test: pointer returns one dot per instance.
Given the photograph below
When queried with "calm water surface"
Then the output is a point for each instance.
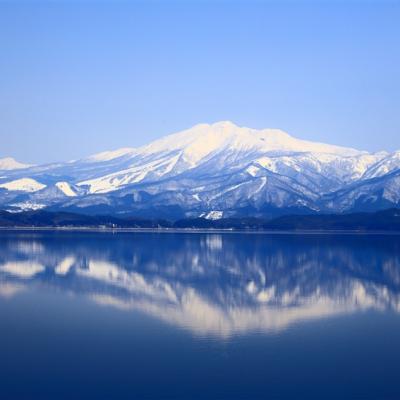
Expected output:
(225, 316)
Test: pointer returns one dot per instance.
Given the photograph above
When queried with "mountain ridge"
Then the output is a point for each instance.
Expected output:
(217, 168)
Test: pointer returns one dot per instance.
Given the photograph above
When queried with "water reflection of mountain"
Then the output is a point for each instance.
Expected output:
(211, 283)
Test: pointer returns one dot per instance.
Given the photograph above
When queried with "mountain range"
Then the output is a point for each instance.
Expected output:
(212, 171)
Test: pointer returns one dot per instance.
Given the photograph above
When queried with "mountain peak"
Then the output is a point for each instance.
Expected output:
(224, 125)
(203, 139)
(9, 163)
(215, 125)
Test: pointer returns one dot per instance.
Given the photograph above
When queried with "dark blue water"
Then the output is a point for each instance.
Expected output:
(225, 316)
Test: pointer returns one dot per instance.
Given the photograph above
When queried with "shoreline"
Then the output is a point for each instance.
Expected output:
(197, 230)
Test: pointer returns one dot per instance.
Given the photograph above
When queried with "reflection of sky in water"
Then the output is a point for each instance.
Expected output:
(210, 284)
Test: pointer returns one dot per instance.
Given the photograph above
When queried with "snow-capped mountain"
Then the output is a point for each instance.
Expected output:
(212, 170)
(9, 163)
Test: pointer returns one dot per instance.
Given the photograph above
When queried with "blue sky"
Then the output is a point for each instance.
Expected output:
(81, 77)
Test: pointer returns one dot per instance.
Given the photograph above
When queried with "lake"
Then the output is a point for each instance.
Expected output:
(142, 315)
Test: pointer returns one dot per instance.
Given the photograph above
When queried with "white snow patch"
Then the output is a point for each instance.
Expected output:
(263, 183)
(196, 197)
(252, 170)
(230, 189)
(23, 185)
(65, 187)
(27, 206)
(267, 163)
(213, 215)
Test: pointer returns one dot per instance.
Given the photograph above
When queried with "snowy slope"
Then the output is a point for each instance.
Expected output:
(66, 188)
(111, 155)
(387, 164)
(23, 185)
(224, 144)
(366, 195)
